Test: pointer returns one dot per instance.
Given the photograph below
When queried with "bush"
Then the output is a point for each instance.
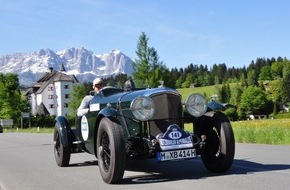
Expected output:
(42, 121)
(232, 114)
(283, 115)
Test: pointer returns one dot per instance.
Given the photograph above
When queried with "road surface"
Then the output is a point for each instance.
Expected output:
(27, 163)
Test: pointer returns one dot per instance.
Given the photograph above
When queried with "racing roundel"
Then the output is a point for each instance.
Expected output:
(85, 128)
(175, 134)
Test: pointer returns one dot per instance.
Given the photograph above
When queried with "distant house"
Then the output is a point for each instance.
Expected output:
(285, 107)
(50, 94)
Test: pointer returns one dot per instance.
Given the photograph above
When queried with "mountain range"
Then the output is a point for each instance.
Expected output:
(82, 63)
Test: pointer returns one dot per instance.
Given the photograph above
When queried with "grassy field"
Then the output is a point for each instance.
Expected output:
(208, 91)
(269, 131)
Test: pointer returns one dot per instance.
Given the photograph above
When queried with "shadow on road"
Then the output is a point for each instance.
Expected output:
(151, 171)
(154, 172)
(87, 163)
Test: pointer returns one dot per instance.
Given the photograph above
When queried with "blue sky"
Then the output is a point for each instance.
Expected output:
(205, 32)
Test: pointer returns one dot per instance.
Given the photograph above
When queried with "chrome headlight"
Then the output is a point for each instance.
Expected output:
(143, 108)
(196, 105)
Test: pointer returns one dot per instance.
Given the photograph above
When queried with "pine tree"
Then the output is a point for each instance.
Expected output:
(148, 71)
(285, 90)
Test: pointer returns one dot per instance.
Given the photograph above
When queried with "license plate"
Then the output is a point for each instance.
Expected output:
(176, 154)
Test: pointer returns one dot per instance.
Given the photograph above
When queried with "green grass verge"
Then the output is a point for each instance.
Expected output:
(29, 130)
(270, 131)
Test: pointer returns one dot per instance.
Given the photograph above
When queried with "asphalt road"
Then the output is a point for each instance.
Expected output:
(27, 163)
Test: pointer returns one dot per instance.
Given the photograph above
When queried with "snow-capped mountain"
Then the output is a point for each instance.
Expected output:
(84, 64)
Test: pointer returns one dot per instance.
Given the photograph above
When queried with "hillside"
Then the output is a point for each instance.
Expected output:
(207, 91)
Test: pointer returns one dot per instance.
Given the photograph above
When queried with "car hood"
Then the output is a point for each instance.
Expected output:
(125, 98)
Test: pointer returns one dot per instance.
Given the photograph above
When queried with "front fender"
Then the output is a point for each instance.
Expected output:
(108, 112)
(213, 105)
(62, 125)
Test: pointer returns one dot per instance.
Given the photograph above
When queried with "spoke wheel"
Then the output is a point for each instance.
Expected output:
(105, 151)
(110, 147)
(61, 153)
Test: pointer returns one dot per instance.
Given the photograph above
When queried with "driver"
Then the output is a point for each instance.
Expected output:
(84, 106)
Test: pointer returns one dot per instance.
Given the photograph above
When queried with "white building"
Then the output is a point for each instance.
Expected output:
(50, 94)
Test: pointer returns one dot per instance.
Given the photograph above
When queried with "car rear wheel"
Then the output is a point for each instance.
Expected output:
(219, 151)
(110, 151)
(61, 153)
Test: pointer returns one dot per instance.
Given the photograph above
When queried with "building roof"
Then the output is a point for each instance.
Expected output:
(50, 78)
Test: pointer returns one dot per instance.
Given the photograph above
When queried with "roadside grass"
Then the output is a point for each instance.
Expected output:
(267, 131)
(29, 130)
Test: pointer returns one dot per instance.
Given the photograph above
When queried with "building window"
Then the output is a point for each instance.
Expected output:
(50, 88)
(50, 96)
(53, 106)
(66, 86)
(65, 105)
(66, 96)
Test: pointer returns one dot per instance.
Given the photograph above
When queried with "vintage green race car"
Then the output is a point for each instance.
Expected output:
(143, 124)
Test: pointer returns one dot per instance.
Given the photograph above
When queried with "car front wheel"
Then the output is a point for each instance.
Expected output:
(219, 151)
(110, 147)
(61, 153)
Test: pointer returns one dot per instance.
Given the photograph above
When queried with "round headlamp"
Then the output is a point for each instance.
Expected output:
(196, 105)
(143, 108)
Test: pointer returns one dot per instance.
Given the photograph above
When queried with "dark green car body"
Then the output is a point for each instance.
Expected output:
(110, 125)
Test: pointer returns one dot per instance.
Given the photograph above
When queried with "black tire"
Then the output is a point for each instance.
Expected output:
(110, 146)
(219, 151)
(61, 153)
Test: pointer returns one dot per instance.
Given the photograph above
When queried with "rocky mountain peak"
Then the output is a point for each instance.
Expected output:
(84, 64)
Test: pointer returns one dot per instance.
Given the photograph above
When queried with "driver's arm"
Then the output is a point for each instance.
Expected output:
(84, 106)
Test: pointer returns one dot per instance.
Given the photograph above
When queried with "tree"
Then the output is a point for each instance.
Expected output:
(236, 94)
(274, 93)
(148, 71)
(266, 73)
(11, 101)
(277, 70)
(285, 88)
(188, 81)
(224, 93)
(243, 80)
(253, 100)
(78, 92)
(179, 81)
(208, 80)
(252, 78)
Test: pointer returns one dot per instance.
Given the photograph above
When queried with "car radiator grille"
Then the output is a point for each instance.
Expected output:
(168, 110)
